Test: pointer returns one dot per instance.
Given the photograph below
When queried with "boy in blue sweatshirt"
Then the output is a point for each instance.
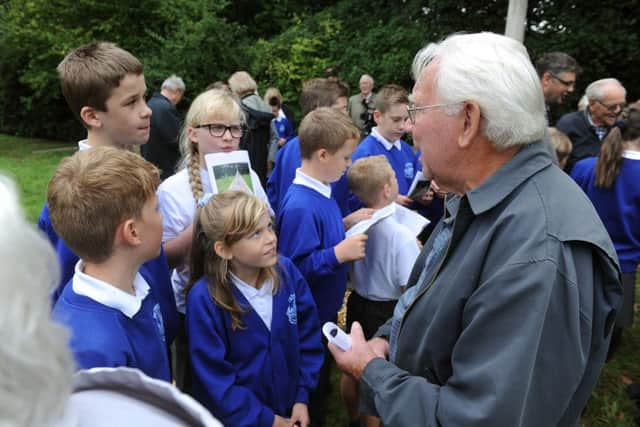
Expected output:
(104, 87)
(309, 222)
(102, 202)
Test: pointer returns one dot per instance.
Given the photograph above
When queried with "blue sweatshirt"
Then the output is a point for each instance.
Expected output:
(102, 336)
(155, 271)
(284, 171)
(618, 207)
(246, 376)
(309, 225)
(404, 162)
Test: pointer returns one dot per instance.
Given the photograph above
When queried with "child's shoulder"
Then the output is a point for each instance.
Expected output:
(175, 183)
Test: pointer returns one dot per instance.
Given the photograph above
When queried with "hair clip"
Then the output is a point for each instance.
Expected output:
(202, 201)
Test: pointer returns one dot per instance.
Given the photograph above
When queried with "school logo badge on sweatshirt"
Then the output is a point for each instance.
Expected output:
(292, 310)
(157, 316)
(408, 170)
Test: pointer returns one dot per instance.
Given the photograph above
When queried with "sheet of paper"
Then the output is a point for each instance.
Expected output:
(229, 171)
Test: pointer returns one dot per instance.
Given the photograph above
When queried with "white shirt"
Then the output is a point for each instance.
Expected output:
(312, 183)
(82, 145)
(178, 207)
(107, 294)
(631, 154)
(390, 253)
(261, 300)
(382, 140)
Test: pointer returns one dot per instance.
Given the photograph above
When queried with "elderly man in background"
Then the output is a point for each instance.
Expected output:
(162, 148)
(587, 129)
(507, 316)
(361, 106)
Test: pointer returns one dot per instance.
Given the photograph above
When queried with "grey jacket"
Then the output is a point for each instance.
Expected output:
(514, 328)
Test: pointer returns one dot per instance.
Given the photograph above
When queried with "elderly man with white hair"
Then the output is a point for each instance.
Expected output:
(162, 148)
(587, 129)
(361, 106)
(507, 316)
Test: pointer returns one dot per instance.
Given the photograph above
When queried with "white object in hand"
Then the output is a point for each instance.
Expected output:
(336, 336)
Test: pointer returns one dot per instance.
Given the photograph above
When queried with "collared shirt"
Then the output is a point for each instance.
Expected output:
(107, 294)
(312, 183)
(601, 131)
(83, 145)
(261, 300)
(382, 140)
(519, 282)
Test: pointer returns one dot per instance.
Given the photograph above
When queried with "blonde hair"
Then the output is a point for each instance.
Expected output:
(367, 176)
(561, 143)
(242, 84)
(325, 128)
(93, 192)
(227, 217)
(89, 73)
(390, 95)
(209, 103)
(37, 365)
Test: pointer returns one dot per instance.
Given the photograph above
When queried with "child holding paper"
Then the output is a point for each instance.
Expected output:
(213, 125)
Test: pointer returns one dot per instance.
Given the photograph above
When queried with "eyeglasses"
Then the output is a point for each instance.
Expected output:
(564, 82)
(217, 130)
(412, 109)
(612, 108)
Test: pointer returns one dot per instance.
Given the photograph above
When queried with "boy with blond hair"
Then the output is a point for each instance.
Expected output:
(562, 146)
(392, 248)
(309, 222)
(385, 138)
(104, 87)
(103, 203)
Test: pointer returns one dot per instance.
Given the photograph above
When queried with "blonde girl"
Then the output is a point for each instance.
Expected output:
(252, 325)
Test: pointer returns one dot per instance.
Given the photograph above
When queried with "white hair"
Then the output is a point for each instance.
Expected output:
(595, 90)
(36, 366)
(174, 83)
(365, 77)
(495, 72)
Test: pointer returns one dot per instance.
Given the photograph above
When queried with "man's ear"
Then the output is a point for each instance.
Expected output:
(90, 117)
(471, 125)
(222, 250)
(546, 78)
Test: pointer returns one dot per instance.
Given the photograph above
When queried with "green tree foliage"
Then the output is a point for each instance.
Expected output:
(283, 43)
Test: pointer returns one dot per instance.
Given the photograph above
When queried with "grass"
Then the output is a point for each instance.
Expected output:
(31, 162)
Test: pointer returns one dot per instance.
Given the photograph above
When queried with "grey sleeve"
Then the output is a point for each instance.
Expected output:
(526, 329)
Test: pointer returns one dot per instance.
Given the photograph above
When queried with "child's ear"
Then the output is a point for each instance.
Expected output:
(222, 250)
(90, 117)
(192, 134)
(128, 233)
(322, 154)
(386, 191)
(376, 116)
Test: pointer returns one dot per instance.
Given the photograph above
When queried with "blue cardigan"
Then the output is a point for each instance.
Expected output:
(246, 376)
(618, 207)
(154, 271)
(102, 336)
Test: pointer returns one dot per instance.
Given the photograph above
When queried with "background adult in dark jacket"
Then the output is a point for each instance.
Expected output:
(162, 147)
(586, 130)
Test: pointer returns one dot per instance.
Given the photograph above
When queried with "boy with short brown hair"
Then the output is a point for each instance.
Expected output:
(310, 226)
(103, 203)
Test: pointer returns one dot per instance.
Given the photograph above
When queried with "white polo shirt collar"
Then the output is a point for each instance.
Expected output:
(312, 183)
(631, 154)
(382, 140)
(260, 299)
(107, 294)
(82, 145)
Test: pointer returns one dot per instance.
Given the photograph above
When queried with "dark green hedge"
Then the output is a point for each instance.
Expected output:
(282, 43)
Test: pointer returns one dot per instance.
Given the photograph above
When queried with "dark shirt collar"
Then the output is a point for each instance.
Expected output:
(529, 160)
